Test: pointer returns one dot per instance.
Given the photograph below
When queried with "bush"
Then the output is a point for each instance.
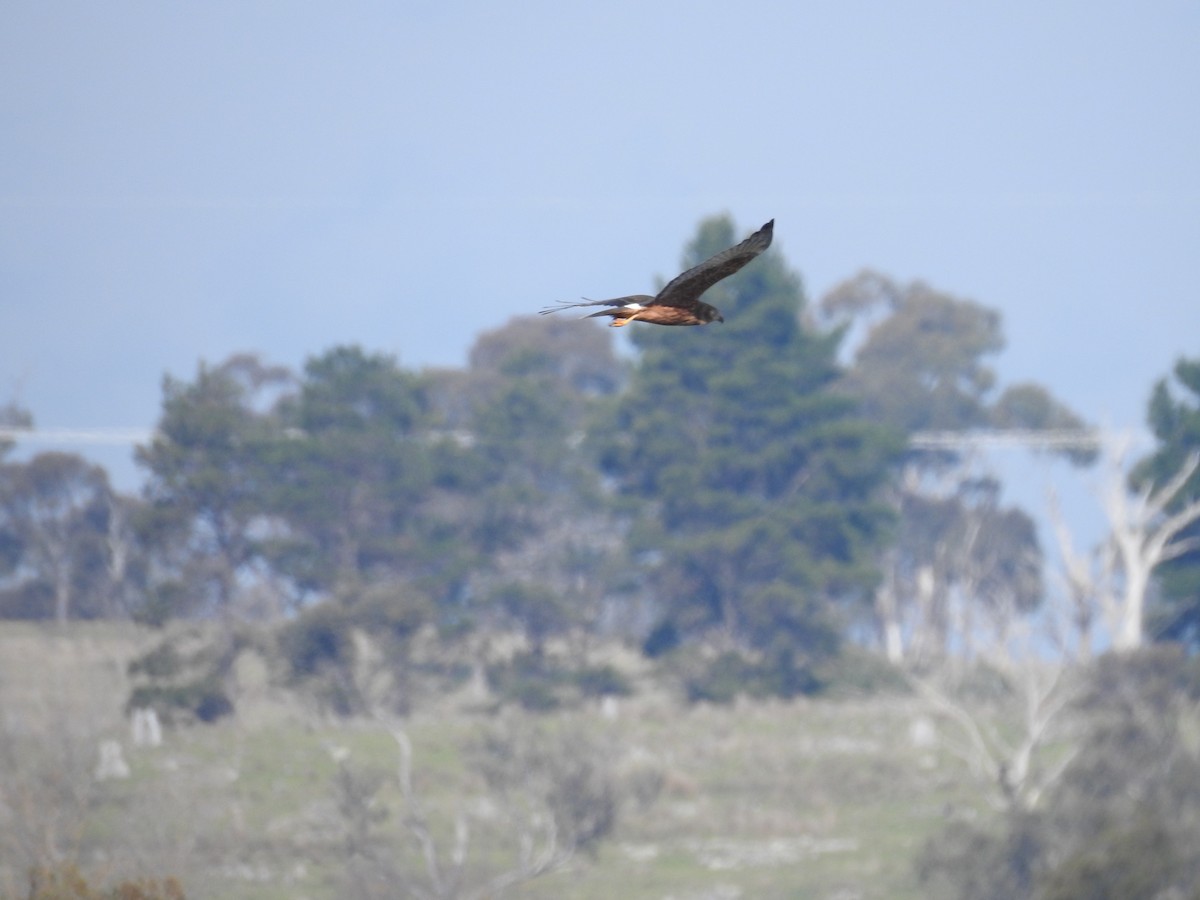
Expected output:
(731, 674)
(161, 603)
(539, 684)
(391, 611)
(320, 652)
(567, 772)
(530, 681)
(664, 638)
(858, 672)
(204, 699)
(180, 686)
(1138, 859)
(965, 860)
(319, 638)
(601, 681)
(164, 661)
(64, 882)
(1120, 820)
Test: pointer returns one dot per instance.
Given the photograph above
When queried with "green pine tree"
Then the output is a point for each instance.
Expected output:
(206, 470)
(1174, 417)
(757, 484)
(352, 473)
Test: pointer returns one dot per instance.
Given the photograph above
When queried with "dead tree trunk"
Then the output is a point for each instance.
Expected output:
(1142, 535)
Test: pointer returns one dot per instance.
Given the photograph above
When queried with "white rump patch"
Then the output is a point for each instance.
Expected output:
(633, 306)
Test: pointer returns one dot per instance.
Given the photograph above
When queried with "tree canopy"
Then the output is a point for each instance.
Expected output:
(757, 483)
(737, 482)
(1173, 414)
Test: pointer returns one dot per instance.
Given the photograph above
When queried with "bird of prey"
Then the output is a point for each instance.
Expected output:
(679, 302)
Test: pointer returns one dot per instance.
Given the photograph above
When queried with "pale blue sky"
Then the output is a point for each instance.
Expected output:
(183, 181)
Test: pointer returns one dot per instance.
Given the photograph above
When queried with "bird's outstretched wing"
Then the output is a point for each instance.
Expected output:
(685, 289)
(643, 299)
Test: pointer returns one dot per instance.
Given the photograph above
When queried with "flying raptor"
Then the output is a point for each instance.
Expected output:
(679, 302)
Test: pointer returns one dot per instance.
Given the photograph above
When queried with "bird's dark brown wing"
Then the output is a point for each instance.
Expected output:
(643, 299)
(685, 290)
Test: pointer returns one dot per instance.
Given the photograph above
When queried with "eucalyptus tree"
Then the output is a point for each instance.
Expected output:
(54, 513)
(208, 471)
(553, 550)
(353, 468)
(920, 360)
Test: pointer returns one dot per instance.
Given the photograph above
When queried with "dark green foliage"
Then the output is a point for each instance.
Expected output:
(319, 651)
(184, 678)
(541, 611)
(731, 675)
(32, 599)
(11, 550)
(203, 700)
(1144, 857)
(332, 482)
(966, 862)
(1174, 417)
(161, 602)
(319, 638)
(55, 515)
(1121, 822)
(1129, 859)
(602, 681)
(391, 614)
(161, 663)
(663, 638)
(212, 702)
(351, 471)
(208, 467)
(920, 364)
(540, 683)
(756, 483)
(746, 485)
(540, 513)
(319, 648)
(531, 681)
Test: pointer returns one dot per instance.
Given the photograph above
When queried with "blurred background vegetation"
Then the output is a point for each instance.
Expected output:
(722, 605)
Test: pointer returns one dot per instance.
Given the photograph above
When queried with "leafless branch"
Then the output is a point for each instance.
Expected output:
(540, 847)
(1008, 766)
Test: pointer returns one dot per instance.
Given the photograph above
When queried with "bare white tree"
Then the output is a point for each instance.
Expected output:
(544, 808)
(1008, 761)
(964, 571)
(1081, 577)
(1142, 534)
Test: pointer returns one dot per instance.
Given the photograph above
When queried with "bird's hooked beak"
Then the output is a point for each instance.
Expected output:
(720, 318)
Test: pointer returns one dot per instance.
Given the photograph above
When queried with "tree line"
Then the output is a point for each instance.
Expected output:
(744, 501)
(748, 485)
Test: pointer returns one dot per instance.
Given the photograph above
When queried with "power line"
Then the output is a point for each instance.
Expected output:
(1056, 439)
(107, 436)
(1060, 439)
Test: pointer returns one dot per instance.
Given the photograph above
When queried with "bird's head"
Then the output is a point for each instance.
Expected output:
(708, 313)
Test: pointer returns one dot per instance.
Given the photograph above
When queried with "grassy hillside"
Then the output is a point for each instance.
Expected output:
(820, 799)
